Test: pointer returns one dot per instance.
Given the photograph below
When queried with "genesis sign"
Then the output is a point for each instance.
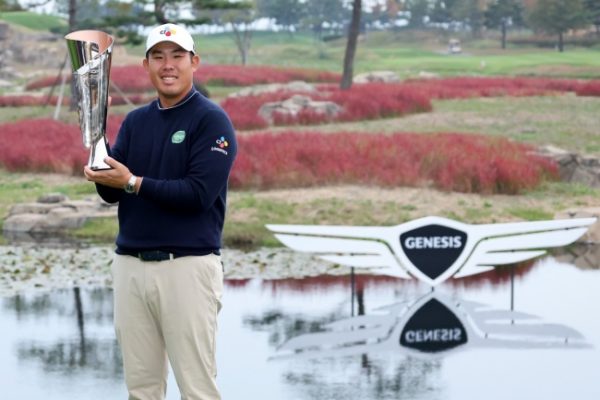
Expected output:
(431, 249)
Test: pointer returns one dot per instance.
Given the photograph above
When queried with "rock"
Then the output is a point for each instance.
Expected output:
(376, 76)
(294, 86)
(574, 167)
(428, 75)
(582, 256)
(62, 218)
(593, 233)
(55, 213)
(30, 208)
(52, 198)
(295, 104)
(23, 222)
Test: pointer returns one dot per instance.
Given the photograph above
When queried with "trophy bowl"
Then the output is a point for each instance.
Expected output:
(90, 53)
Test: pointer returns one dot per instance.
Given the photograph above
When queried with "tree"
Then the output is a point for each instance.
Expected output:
(502, 14)
(320, 12)
(419, 10)
(469, 12)
(593, 10)
(441, 12)
(241, 24)
(556, 17)
(351, 43)
(10, 5)
(287, 13)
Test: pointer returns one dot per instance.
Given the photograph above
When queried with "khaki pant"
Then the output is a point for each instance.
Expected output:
(168, 309)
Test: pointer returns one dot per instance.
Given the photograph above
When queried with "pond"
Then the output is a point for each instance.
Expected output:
(520, 333)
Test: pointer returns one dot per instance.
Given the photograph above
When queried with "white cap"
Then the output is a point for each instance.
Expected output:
(170, 33)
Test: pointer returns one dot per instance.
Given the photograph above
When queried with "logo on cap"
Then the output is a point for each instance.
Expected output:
(168, 31)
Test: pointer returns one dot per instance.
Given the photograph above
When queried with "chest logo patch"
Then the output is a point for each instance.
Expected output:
(178, 137)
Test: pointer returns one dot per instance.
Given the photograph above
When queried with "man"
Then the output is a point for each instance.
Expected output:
(171, 162)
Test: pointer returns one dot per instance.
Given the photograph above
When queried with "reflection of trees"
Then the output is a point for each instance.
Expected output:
(405, 378)
(283, 327)
(71, 357)
(62, 304)
(81, 348)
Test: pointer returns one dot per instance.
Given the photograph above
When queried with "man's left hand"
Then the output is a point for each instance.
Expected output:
(116, 177)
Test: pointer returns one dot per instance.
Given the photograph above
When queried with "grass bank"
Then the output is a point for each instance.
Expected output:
(249, 211)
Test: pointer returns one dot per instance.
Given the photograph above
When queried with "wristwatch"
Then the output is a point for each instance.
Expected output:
(130, 185)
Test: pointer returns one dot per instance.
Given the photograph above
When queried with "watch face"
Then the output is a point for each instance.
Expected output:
(130, 186)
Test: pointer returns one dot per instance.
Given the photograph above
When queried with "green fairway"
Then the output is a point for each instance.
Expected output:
(38, 22)
(388, 51)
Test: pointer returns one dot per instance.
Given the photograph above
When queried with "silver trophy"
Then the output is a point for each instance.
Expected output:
(90, 53)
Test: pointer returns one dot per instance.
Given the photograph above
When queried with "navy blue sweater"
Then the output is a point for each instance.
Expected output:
(184, 154)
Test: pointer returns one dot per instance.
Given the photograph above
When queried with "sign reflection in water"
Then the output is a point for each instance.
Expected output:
(434, 324)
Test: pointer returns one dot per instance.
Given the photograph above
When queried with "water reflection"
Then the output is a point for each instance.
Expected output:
(338, 337)
(70, 336)
(430, 324)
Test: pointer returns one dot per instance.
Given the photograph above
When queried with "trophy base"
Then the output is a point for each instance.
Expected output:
(98, 153)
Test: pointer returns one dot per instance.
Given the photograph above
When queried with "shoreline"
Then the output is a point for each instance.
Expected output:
(31, 268)
(28, 267)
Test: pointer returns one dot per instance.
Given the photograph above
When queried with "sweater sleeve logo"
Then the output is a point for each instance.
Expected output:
(178, 137)
(221, 145)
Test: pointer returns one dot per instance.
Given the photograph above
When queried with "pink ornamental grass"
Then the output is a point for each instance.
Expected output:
(46, 145)
(453, 162)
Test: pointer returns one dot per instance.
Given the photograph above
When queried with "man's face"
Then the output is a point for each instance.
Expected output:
(171, 71)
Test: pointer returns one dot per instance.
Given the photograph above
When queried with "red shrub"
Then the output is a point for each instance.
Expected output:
(28, 101)
(133, 78)
(465, 163)
(591, 88)
(366, 101)
(237, 75)
(46, 81)
(46, 145)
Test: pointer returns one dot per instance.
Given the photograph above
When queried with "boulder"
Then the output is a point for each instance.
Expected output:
(294, 86)
(296, 104)
(376, 76)
(54, 212)
(52, 198)
(428, 75)
(593, 233)
(574, 167)
(584, 256)
(26, 222)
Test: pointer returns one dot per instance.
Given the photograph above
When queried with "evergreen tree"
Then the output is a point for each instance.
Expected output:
(441, 11)
(470, 13)
(319, 12)
(502, 14)
(419, 10)
(593, 10)
(287, 13)
(556, 17)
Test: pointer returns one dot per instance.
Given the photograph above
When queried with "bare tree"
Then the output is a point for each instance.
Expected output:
(351, 43)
